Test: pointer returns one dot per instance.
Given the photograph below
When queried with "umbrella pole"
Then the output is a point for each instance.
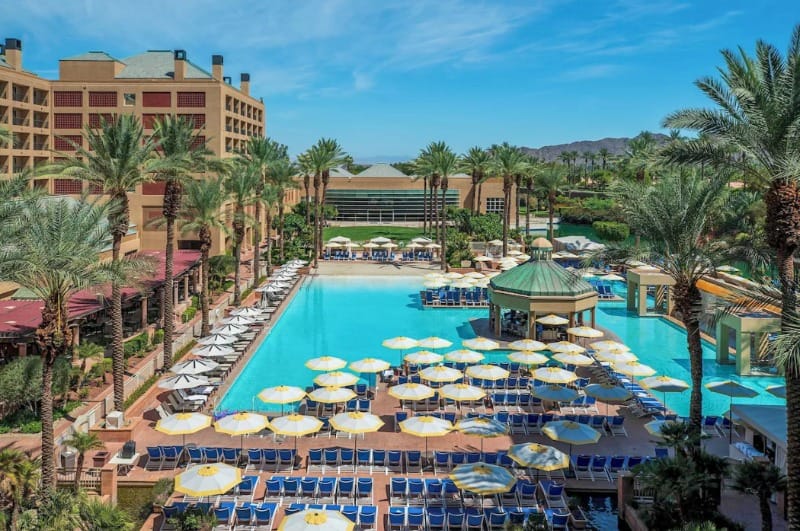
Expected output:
(730, 417)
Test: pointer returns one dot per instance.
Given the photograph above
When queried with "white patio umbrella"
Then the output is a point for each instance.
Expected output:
(434, 343)
(230, 330)
(554, 375)
(634, 368)
(238, 320)
(612, 277)
(183, 424)
(426, 426)
(432, 276)
(463, 283)
(316, 520)
(295, 425)
(389, 245)
(462, 392)
(281, 394)
(331, 395)
(527, 357)
(453, 275)
(326, 363)
(474, 274)
(514, 253)
(527, 344)
(380, 240)
(434, 284)
(411, 391)
(480, 343)
(194, 366)
(487, 372)
(268, 289)
(585, 331)
(573, 358)
(423, 357)
(608, 345)
(440, 373)
(565, 346)
(482, 258)
(217, 339)
(464, 356)
(182, 381)
(552, 320)
(356, 423)
(340, 239)
(213, 351)
(334, 245)
(370, 245)
(414, 245)
(618, 356)
(421, 239)
(336, 379)
(249, 311)
(208, 480)
(369, 365)
(495, 243)
(433, 246)
(243, 423)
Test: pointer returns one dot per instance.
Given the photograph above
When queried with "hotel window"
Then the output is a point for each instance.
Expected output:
(149, 215)
(494, 205)
(156, 188)
(65, 142)
(96, 189)
(67, 186)
(129, 99)
(67, 121)
(199, 120)
(72, 98)
(102, 99)
(191, 99)
(149, 120)
(156, 99)
(198, 142)
(95, 119)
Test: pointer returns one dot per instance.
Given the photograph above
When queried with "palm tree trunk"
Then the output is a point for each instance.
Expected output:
(169, 281)
(79, 471)
(117, 347)
(317, 232)
(528, 211)
(269, 241)
(205, 238)
(280, 228)
(325, 178)
(238, 231)
(425, 205)
(506, 213)
(46, 412)
(766, 513)
(444, 227)
(257, 244)
(687, 301)
(551, 207)
(516, 205)
(308, 199)
(480, 189)
(475, 179)
(435, 214)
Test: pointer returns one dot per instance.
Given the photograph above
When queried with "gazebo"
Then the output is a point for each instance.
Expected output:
(540, 287)
(750, 331)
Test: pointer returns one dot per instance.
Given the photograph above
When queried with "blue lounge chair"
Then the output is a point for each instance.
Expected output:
(398, 490)
(364, 490)
(155, 458)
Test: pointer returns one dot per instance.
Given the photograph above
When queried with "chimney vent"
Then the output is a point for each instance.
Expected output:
(179, 73)
(227, 80)
(216, 67)
(180, 55)
(13, 53)
(245, 83)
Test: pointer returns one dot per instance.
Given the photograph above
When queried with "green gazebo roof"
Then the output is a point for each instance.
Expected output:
(541, 278)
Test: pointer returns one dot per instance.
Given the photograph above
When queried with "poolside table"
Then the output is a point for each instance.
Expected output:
(124, 464)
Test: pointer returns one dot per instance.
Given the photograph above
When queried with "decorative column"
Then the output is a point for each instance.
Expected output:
(743, 350)
(532, 325)
(144, 311)
(592, 315)
(642, 300)
(186, 287)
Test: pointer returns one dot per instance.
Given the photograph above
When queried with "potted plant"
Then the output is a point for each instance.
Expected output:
(193, 519)
(577, 518)
(161, 493)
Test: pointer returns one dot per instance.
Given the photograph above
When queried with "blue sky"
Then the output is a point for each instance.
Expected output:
(386, 77)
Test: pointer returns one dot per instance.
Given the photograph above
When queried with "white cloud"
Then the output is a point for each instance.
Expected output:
(597, 71)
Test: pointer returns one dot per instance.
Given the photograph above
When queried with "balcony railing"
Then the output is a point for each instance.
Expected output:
(20, 96)
(20, 121)
(41, 146)
(40, 123)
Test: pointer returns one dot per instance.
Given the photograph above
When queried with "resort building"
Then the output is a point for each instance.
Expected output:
(384, 194)
(47, 116)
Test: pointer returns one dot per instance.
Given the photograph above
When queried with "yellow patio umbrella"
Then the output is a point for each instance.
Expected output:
(243, 423)
(487, 372)
(634, 368)
(654, 426)
(584, 331)
(538, 457)
(555, 375)
(356, 423)
(462, 392)
(571, 432)
(370, 365)
(474, 274)
(281, 394)
(620, 356)
(732, 390)
(664, 384)
(440, 373)
(426, 426)
(608, 393)
(483, 479)
(331, 395)
(295, 425)
(423, 357)
(326, 363)
(482, 427)
(400, 343)
(525, 357)
(527, 344)
(336, 379)
(316, 520)
(208, 480)
(552, 320)
(411, 391)
(183, 424)
(608, 345)
(431, 276)
(452, 275)
(480, 343)
(434, 284)
(464, 356)
(434, 343)
(554, 393)
(565, 346)
(570, 358)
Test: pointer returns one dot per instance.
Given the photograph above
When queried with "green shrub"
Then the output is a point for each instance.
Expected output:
(246, 293)
(34, 426)
(141, 390)
(195, 301)
(136, 345)
(189, 314)
(612, 231)
(457, 247)
(158, 336)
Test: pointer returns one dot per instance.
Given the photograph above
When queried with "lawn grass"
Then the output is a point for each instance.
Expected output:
(367, 232)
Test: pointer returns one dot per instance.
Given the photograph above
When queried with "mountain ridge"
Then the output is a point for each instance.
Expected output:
(614, 145)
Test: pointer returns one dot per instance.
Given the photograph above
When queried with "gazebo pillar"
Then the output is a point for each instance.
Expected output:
(633, 291)
(592, 315)
(743, 351)
(22, 349)
(497, 320)
(642, 300)
(531, 325)
(186, 287)
(571, 319)
(723, 342)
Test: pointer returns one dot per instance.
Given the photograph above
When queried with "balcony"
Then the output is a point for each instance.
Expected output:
(41, 146)
(44, 124)
(19, 95)
(19, 120)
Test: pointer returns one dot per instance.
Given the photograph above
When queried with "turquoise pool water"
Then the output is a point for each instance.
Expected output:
(349, 317)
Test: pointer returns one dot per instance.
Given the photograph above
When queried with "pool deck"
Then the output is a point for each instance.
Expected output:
(638, 442)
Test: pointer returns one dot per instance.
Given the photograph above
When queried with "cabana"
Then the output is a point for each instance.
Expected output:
(750, 332)
(540, 287)
(642, 278)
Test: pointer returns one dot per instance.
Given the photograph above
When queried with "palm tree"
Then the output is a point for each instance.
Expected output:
(101, 516)
(6, 136)
(241, 186)
(117, 159)
(281, 176)
(756, 105)
(82, 442)
(19, 478)
(305, 169)
(604, 154)
(640, 154)
(761, 480)
(181, 145)
(201, 213)
(551, 181)
(84, 352)
(673, 216)
(269, 198)
(320, 159)
(528, 181)
(261, 153)
(475, 162)
(507, 161)
(55, 254)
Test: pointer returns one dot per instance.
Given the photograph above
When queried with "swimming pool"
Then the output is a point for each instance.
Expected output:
(349, 317)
